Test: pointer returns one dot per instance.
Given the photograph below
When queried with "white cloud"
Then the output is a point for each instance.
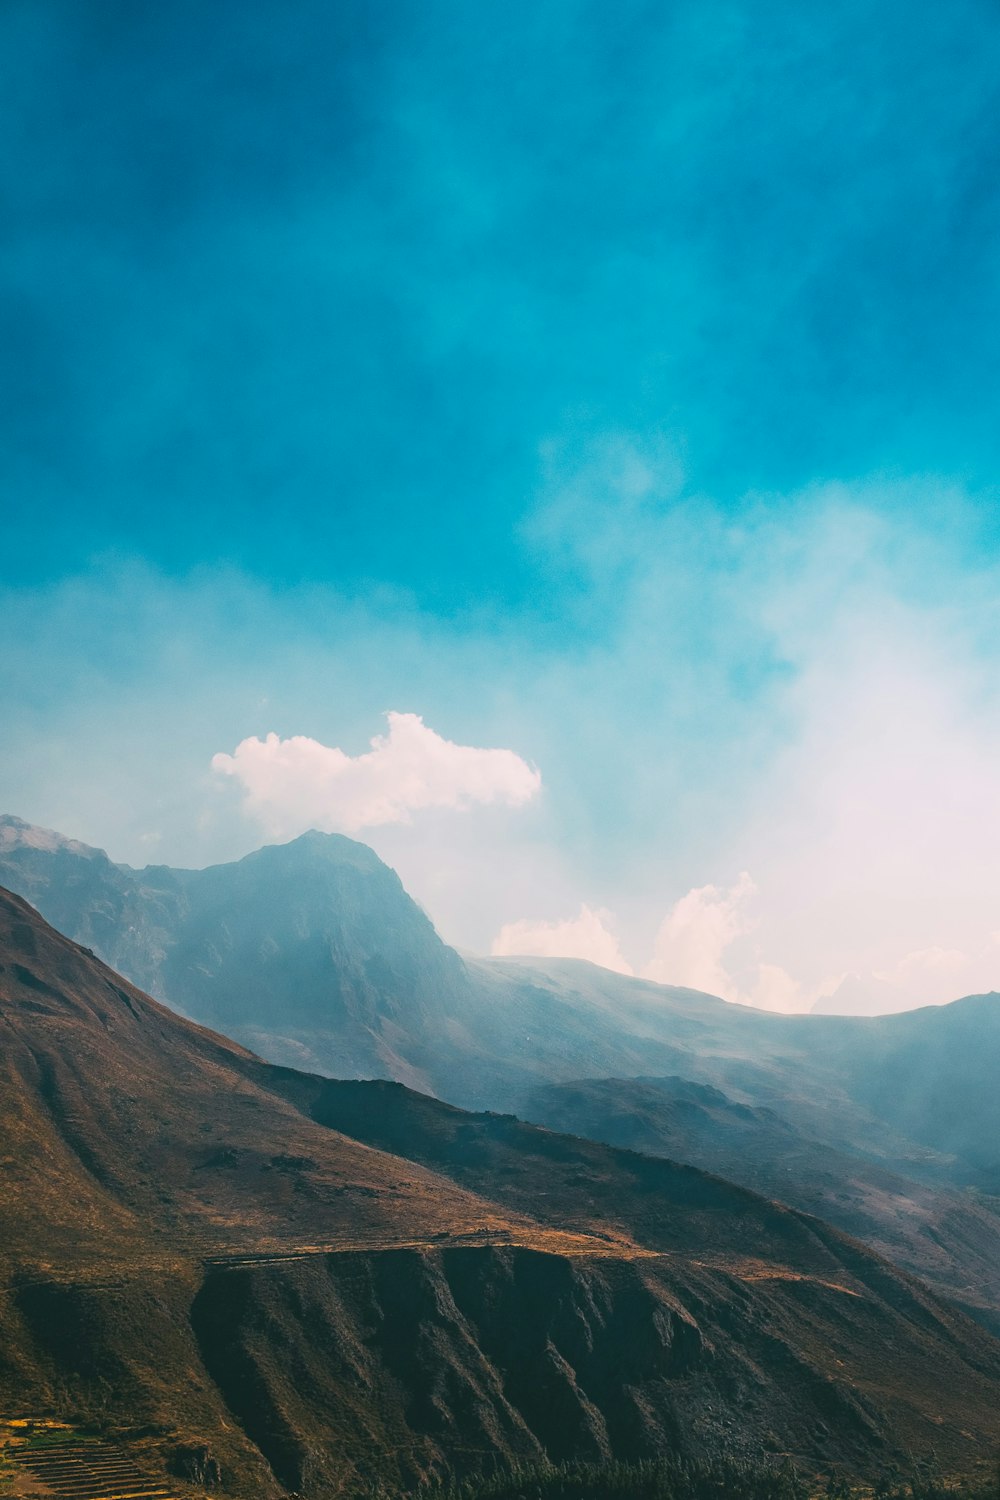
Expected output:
(588, 936)
(695, 944)
(809, 691)
(927, 976)
(695, 934)
(775, 989)
(297, 783)
(692, 949)
(942, 963)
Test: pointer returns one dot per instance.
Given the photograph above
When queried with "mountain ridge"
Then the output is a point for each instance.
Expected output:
(483, 1291)
(312, 954)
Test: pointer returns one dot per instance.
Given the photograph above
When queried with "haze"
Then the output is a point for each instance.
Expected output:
(560, 454)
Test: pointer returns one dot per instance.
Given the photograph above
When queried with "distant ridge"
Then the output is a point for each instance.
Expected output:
(16, 834)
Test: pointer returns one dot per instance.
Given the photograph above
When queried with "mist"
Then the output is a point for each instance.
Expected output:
(610, 395)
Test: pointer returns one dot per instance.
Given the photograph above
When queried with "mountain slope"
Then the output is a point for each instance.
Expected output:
(914, 1090)
(947, 1236)
(313, 954)
(125, 1125)
(324, 1282)
(315, 939)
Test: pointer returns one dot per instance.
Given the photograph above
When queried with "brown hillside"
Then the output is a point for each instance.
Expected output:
(322, 1283)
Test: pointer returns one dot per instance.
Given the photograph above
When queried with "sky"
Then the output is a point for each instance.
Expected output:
(557, 445)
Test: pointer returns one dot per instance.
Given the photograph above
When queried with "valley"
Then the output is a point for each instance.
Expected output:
(339, 1282)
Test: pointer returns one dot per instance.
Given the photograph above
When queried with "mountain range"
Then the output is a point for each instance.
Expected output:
(322, 1284)
(312, 954)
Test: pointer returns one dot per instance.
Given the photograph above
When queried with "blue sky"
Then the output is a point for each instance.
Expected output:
(613, 385)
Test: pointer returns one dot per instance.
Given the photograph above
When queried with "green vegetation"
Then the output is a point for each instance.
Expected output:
(932, 1487)
(660, 1479)
(53, 1436)
(680, 1479)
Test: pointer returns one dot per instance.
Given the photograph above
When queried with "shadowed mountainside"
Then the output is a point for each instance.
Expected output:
(323, 1283)
(948, 1236)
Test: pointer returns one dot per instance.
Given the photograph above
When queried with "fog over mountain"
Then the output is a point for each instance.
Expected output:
(609, 392)
(312, 954)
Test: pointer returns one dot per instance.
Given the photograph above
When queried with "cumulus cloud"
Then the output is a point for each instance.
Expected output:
(773, 988)
(693, 948)
(927, 976)
(298, 783)
(695, 934)
(699, 945)
(695, 944)
(689, 949)
(589, 935)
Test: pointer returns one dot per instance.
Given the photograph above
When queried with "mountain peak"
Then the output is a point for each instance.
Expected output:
(15, 833)
(332, 848)
(318, 930)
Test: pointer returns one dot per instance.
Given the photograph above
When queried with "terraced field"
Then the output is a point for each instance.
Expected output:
(76, 1469)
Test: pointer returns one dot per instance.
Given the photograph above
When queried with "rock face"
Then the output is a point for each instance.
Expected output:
(453, 1354)
(196, 1463)
(301, 948)
(297, 1283)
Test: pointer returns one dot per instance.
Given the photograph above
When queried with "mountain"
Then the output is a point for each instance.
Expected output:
(312, 949)
(312, 954)
(914, 1091)
(316, 1285)
(947, 1236)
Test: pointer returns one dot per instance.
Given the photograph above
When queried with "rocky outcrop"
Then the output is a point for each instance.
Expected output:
(438, 1360)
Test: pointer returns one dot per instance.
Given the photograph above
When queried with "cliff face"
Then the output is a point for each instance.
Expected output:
(440, 1359)
(436, 1359)
(311, 1373)
(333, 1370)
